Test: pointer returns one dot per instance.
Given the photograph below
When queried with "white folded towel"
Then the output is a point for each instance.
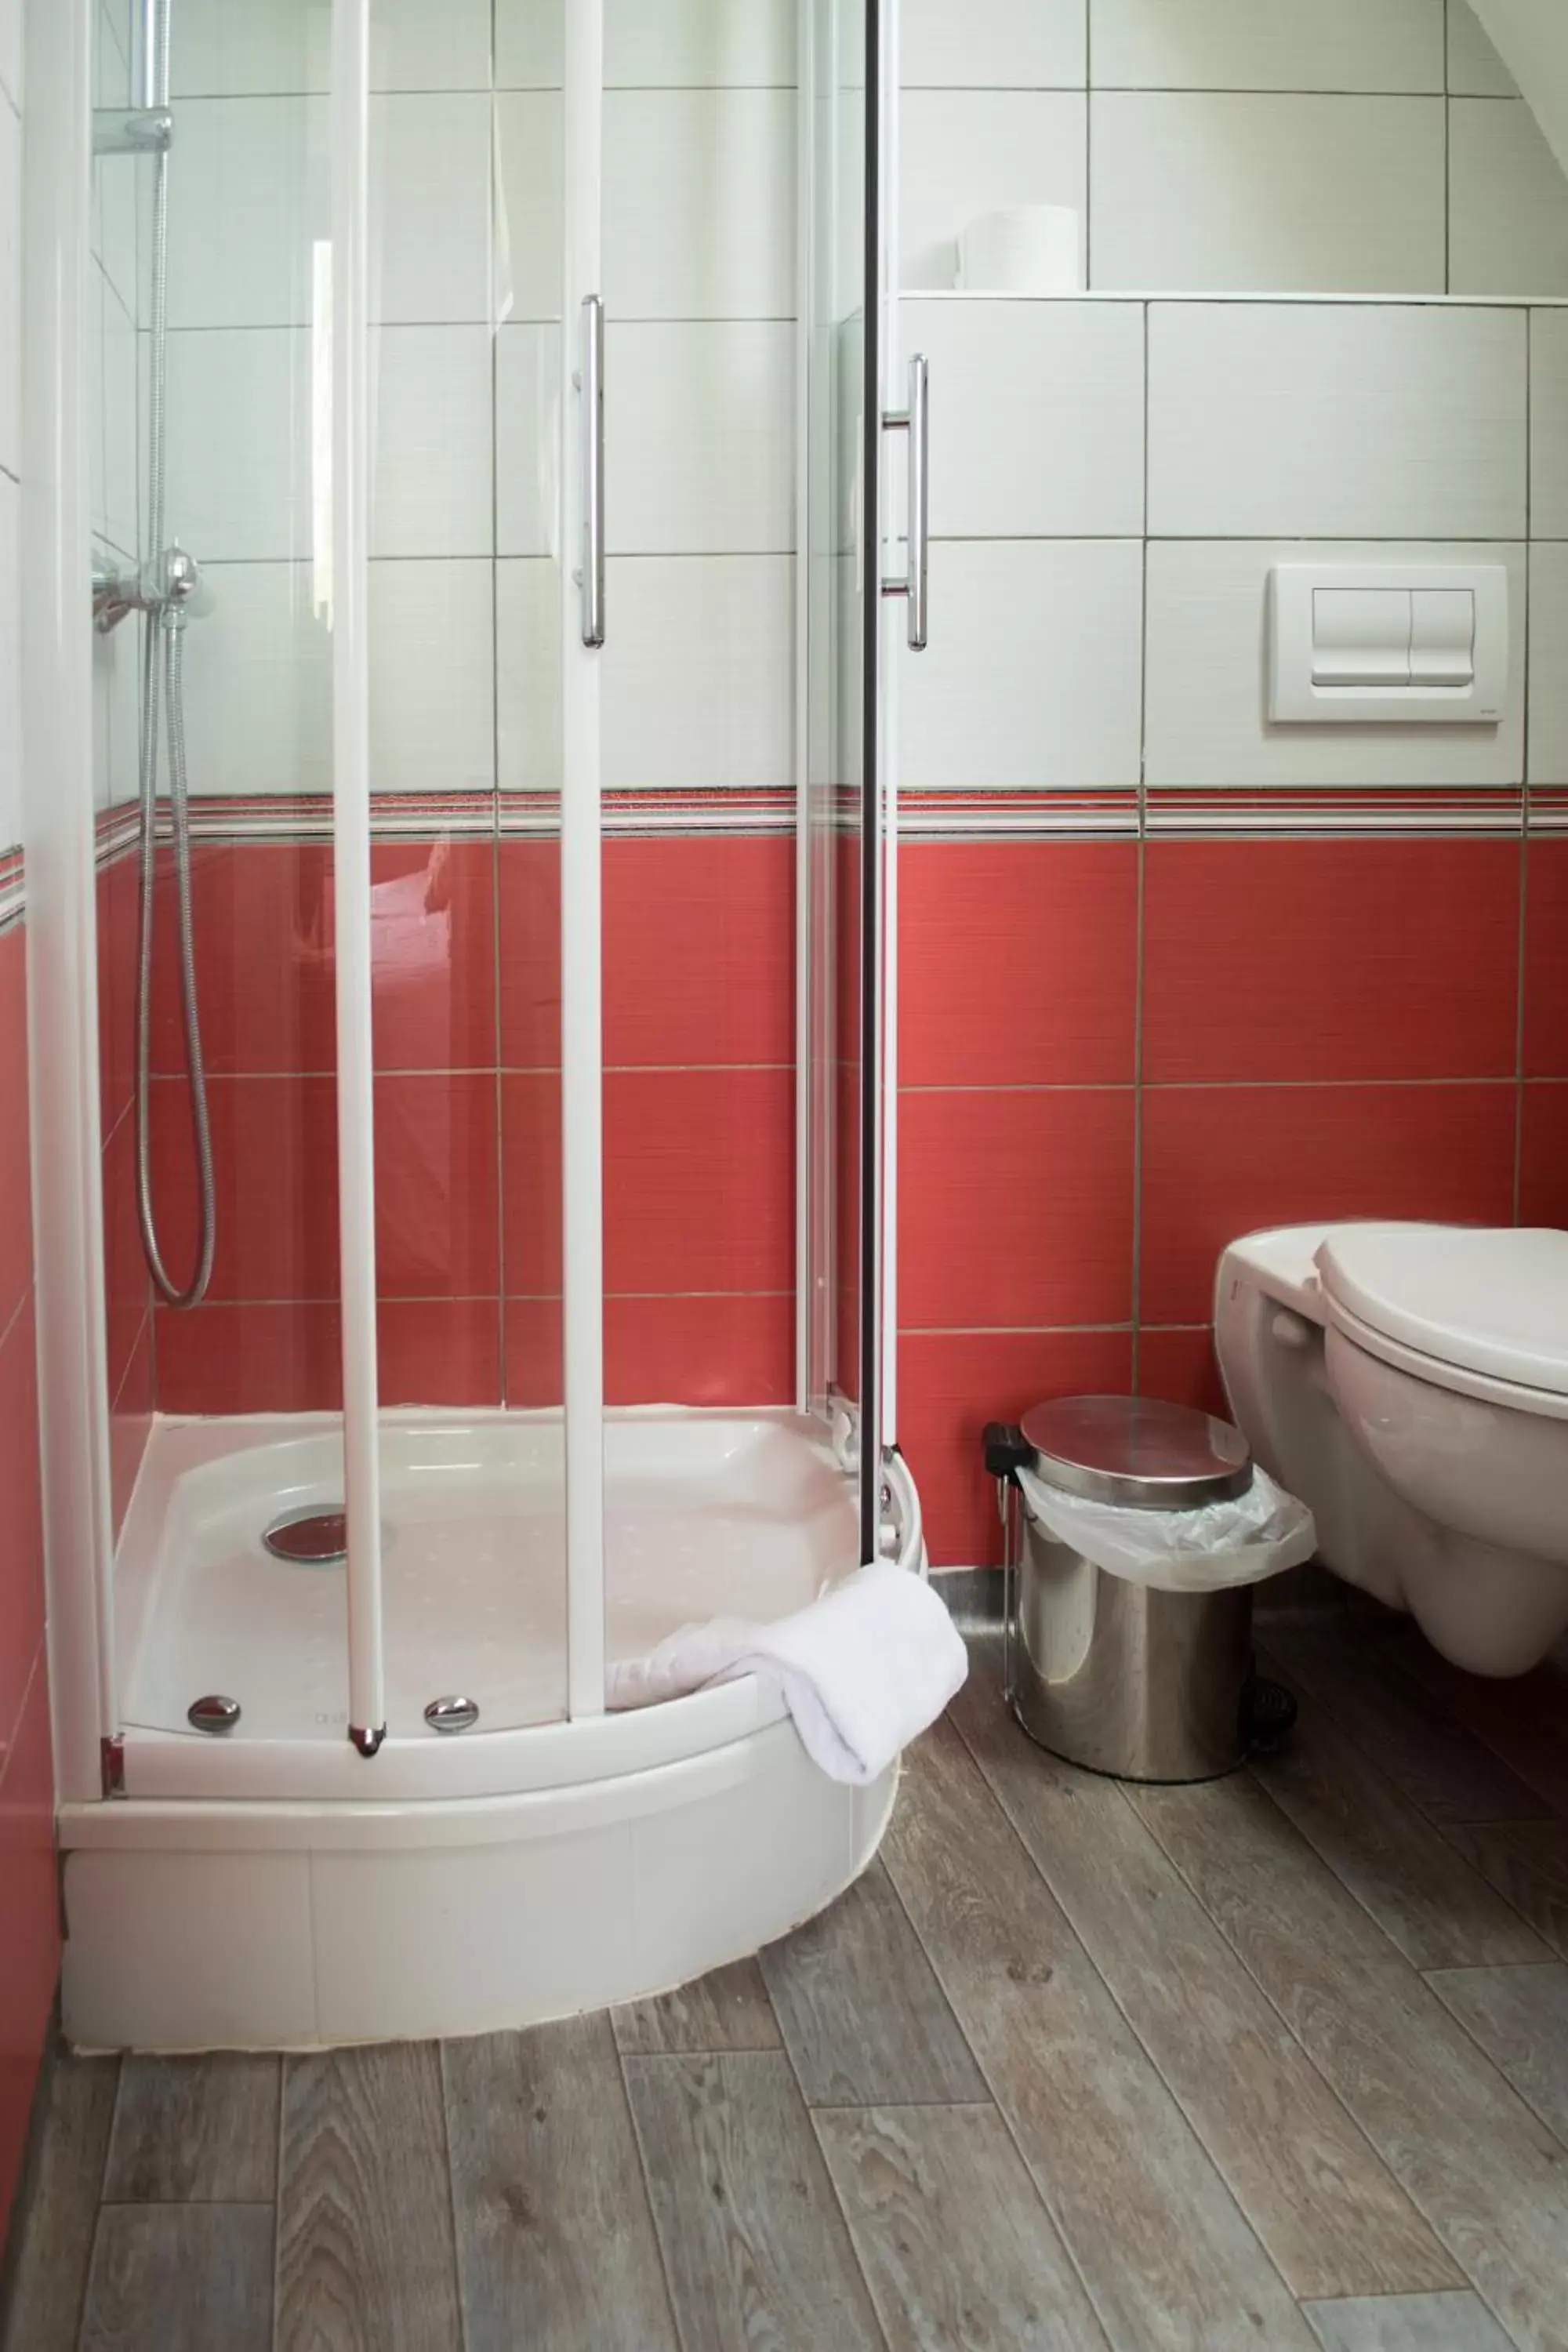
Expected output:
(862, 1669)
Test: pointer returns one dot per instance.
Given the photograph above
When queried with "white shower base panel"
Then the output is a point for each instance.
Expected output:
(279, 1891)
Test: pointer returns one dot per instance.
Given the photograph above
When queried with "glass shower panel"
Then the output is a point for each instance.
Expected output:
(210, 538)
(465, 296)
(844, 835)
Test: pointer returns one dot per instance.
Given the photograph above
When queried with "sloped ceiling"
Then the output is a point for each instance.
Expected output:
(1533, 38)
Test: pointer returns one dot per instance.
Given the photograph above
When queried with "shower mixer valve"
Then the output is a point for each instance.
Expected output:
(171, 586)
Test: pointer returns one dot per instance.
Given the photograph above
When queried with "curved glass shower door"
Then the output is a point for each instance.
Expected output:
(212, 733)
(852, 64)
(481, 137)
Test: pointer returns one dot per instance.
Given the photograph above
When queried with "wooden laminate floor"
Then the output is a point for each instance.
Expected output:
(1278, 2064)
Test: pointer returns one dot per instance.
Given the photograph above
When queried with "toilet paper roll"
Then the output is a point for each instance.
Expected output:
(1030, 249)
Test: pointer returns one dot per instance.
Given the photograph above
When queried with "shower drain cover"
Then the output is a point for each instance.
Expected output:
(313, 1538)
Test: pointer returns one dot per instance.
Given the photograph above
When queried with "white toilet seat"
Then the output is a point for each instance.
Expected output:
(1548, 1404)
(1481, 1311)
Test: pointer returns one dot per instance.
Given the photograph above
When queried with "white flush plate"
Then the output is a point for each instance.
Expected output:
(1378, 677)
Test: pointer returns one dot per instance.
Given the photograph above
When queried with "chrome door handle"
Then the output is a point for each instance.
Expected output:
(915, 420)
(592, 383)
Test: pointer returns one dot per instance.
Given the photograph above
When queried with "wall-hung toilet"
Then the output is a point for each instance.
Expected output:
(1410, 1383)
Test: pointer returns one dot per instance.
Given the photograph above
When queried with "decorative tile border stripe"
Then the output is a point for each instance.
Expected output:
(992, 816)
(1549, 808)
(983, 814)
(308, 816)
(1345, 814)
(13, 888)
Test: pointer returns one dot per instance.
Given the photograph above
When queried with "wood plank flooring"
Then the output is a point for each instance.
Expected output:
(1276, 2065)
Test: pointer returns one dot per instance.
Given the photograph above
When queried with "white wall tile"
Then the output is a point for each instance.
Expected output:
(430, 208)
(528, 439)
(10, 664)
(1508, 199)
(529, 223)
(253, 48)
(236, 48)
(121, 427)
(700, 204)
(432, 424)
(11, 48)
(994, 45)
(1549, 665)
(240, 442)
(698, 43)
(1207, 680)
(432, 654)
(1202, 194)
(250, 194)
(1475, 69)
(698, 671)
(10, 287)
(528, 675)
(259, 684)
(649, 44)
(965, 152)
(699, 429)
(1032, 673)
(1036, 416)
(110, 54)
(99, 299)
(413, 46)
(122, 767)
(528, 44)
(1326, 45)
(115, 226)
(1366, 420)
(1549, 423)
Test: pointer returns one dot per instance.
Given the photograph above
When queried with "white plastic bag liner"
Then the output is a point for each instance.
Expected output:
(1237, 1542)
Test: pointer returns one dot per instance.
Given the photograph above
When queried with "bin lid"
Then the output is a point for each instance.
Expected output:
(1137, 1451)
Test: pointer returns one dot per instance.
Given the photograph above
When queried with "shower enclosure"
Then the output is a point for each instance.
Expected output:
(465, 1216)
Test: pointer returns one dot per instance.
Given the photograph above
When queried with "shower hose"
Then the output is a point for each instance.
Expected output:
(162, 680)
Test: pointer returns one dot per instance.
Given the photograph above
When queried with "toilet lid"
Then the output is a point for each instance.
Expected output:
(1491, 1300)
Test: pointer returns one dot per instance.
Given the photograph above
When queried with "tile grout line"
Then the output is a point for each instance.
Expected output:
(676, 2329)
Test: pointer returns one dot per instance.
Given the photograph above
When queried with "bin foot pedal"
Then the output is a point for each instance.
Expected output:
(1268, 1713)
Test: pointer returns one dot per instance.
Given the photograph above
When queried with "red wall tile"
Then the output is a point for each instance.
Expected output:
(127, 1294)
(29, 1924)
(16, 1175)
(699, 1181)
(699, 1351)
(1015, 1209)
(1277, 961)
(250, 1358)
(432, 948)
(22, 1559)
(1543, 1155)
(131, 1426)
(1222, 1162)
(263, 928)
(437, 1214)
(528, 945)
(1017, 962)
(275, 1171)
(534, 1362)
(1180, 1367)
(952, 1383)
(117, 942)
(531, 1182)
(439, 1352)
(698, 950)
(266, 962)
(1546, 960)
